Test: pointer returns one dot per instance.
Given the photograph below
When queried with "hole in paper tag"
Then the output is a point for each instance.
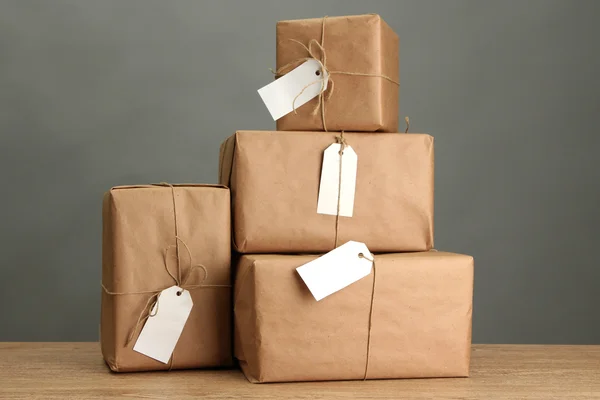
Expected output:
(329, 186)
(337, 269)
(165, 323)
(300, 84)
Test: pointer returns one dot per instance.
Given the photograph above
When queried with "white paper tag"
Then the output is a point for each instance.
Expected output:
(336, 269)
(163, 327)
(279, 95)
(330, 181)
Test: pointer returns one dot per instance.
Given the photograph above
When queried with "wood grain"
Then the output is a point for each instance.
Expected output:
(76, 371)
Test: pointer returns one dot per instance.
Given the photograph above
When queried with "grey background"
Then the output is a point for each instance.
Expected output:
(100, 93)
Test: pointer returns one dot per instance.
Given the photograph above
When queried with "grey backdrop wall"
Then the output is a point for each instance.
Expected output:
(101, 93)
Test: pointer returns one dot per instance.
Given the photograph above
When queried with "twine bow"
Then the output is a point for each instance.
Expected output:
(151, 307)
(324, 73)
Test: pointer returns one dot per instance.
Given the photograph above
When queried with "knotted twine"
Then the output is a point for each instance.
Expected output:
(324, 74)
(153, 300)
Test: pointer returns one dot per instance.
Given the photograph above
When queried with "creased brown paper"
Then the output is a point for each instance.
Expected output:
(138, 229)
(274, 179)
(421, 321)
(362, 44)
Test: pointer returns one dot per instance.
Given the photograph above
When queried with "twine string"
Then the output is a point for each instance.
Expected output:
(361, 255)
(342, 142)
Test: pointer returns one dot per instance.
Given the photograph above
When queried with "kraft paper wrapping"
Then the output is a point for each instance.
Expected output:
(274, 180)
(360, 43)
(421, 321)
(138, 225)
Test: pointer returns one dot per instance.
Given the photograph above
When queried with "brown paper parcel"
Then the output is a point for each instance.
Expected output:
(274, 179)
(138, 230)
(360, 44)
(420, 324)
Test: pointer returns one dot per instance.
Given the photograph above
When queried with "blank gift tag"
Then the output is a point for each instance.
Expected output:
(302, 83)
(336, 269)
(330, 181)
(164, 325)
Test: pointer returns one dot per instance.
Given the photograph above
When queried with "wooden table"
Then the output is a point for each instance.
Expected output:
(76, 371)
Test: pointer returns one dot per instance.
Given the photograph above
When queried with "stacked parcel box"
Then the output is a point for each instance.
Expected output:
(335, 175)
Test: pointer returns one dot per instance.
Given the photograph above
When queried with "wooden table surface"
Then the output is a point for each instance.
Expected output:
(77, 371)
